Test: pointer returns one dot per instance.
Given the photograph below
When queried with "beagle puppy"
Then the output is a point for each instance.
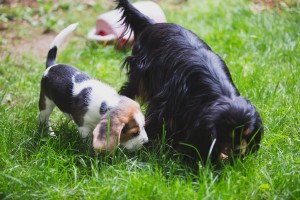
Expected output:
(94, 106)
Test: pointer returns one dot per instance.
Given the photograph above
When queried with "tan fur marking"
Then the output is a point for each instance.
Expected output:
(132, 131)
(247, 132)
(120, 116)
(223, 156)
(243, 147)
(226, 148)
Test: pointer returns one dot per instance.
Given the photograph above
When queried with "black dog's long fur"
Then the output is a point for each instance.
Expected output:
(188, 88)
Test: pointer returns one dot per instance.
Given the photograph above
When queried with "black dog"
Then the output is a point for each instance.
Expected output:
(189, 91)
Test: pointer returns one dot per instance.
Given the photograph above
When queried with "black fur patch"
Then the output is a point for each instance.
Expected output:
(80, 77)
(57, 85)
(103, 108)
(80, 104)
(51, 57)
(125, 129)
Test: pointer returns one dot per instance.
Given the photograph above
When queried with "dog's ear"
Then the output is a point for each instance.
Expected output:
(106, 135)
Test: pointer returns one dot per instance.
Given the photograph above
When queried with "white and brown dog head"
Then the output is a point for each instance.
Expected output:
(122, 124)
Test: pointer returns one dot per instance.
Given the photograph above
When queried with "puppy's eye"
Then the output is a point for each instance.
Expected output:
(125, 129)
(136, 133)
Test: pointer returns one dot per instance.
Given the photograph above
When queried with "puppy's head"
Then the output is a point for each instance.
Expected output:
(237, 128)
(124, 125)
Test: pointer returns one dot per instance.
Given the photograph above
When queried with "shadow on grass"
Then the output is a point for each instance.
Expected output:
(66, 141)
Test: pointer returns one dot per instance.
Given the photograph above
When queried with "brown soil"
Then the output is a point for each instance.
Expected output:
(35, 43)
(261, 5)
(37, 46)
(13, 3)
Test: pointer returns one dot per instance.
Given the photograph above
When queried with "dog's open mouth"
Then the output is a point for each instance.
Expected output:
(223, 156)
(238, 150)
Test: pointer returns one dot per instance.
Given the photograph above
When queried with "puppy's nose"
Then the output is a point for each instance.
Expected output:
(145, 141)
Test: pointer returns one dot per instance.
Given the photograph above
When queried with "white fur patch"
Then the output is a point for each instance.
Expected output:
(47, 70)
(100, 92)
(45, 114)
(140, 119)
(61, 36)
(84, 131)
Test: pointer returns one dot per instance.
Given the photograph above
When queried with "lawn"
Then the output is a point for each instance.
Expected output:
(259, 43)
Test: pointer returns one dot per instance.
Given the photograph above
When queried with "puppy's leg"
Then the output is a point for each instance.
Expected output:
(46, 107)
(79, 118)
(84, 131)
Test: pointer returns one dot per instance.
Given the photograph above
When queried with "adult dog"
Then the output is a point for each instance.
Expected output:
(189, 91)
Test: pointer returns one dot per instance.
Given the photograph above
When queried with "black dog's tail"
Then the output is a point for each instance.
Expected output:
(51, 58)
(133, 18)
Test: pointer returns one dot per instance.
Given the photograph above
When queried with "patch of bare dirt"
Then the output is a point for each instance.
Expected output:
(36, 43)
(13, 44)
(37, 46)
(13, 3)
(261, 5)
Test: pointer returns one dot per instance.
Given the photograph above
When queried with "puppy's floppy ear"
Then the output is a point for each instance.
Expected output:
(106, 135)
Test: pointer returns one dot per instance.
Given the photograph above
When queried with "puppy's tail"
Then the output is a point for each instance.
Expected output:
(132, 18)
(51, 58)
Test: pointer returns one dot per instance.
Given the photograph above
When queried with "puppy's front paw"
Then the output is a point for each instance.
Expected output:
(84, 132)
(46, 128)
(51, 132)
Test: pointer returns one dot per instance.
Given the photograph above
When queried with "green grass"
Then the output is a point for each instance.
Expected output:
(262, 52)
